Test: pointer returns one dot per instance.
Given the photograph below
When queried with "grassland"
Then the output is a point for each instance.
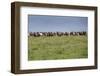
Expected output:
(51, 48)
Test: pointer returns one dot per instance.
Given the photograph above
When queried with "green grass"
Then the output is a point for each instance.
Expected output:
(51, 48)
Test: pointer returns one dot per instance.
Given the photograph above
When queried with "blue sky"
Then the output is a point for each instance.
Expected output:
(43, 23)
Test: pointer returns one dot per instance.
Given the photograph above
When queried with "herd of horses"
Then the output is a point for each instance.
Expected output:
(38, 34)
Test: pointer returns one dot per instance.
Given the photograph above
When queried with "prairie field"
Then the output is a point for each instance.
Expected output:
(55, 47)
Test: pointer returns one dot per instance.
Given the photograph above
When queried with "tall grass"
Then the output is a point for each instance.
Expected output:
(51, 48)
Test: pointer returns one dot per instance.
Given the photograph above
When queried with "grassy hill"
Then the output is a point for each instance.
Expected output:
(51, 48)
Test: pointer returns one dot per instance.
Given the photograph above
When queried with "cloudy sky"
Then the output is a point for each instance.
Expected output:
(40, 23)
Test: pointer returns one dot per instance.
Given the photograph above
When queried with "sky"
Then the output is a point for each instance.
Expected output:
(43, 23)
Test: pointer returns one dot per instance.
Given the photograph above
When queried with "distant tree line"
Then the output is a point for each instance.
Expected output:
(37, 34)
